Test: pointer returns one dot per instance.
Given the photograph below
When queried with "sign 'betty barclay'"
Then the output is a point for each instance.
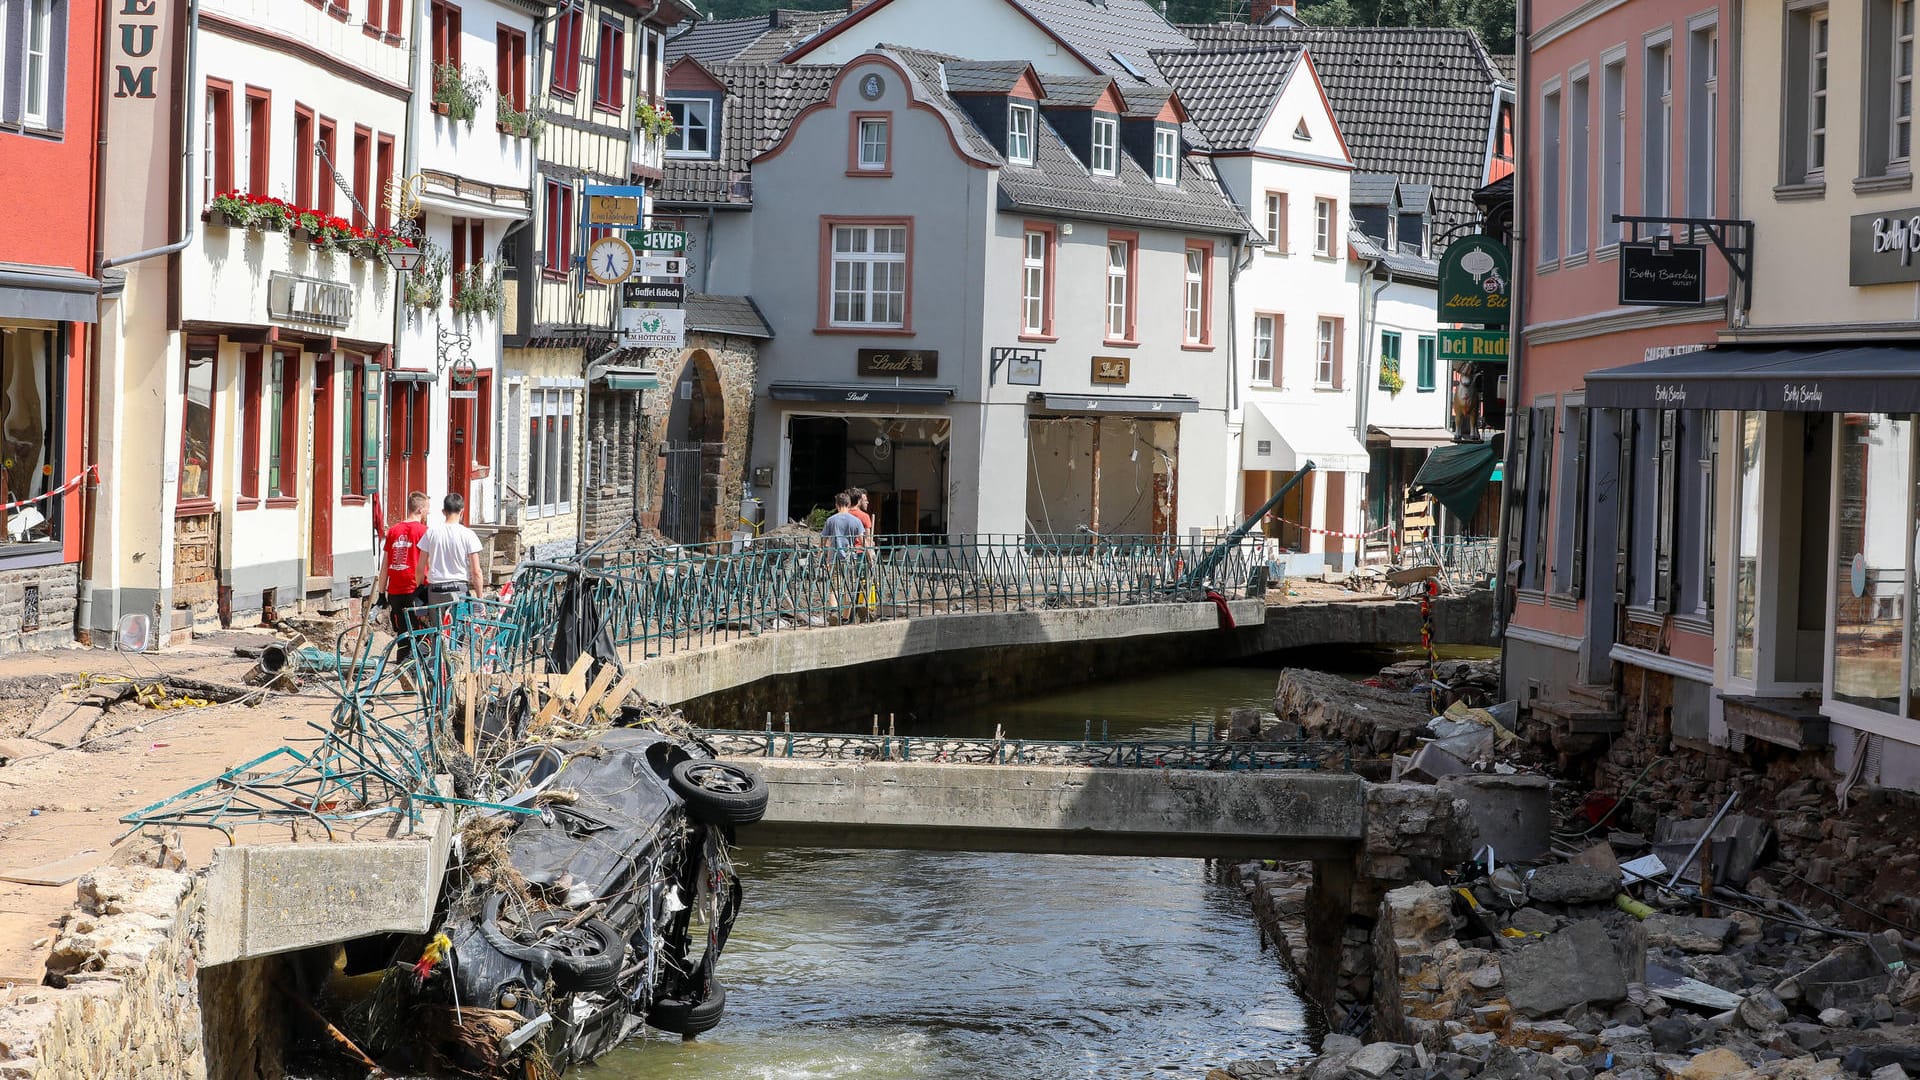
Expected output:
(1882, 247)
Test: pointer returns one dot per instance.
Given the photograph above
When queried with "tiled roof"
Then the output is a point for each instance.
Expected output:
(1372, 189)
(1145, 102)
(1057, 182)
(1414, 103)
(760, 39)
(762, 100)
(1404, 266)
(984, 76)
(1507, 63)
(925, 70)
(1100, 29)
(1074, 91)
(1229, 92)
(735, 315)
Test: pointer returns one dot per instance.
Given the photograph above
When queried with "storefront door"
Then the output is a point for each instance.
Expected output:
(406, 445)
(320, 545)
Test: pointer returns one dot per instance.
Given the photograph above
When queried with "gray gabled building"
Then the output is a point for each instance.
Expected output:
(998, 298)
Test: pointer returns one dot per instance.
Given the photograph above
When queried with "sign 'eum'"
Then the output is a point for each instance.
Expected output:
(134, 68)
(1475, 275)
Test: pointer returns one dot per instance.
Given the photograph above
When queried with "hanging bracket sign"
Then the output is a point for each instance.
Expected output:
(1475, 279)
(1660, 273)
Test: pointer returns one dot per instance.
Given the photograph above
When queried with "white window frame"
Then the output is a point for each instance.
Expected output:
(1326, 347)
(869, 145)
(1613, 145)
(1819, 81)
(39, 14)
(1105, 160)
(1194, 314)
(1579, 140)
(1033, 284)
(209, 162)
(1020, 123)
(1898, 122)
(1265, 337)
(1277, 223)
(1323, 211)
(1550, 149)
(1656, 126)
(1703, 117)
(1166, 155)
(552, 404)
(677, 142)
(1119, 306)
(862, 286)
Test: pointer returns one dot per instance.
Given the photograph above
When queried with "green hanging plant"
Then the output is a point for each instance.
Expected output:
(479, 290)
(457, 93)
(520, 123)
(427, 284)
(1390, 379)
(653, 119)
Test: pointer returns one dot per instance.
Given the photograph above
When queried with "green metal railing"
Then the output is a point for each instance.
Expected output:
(670, 598)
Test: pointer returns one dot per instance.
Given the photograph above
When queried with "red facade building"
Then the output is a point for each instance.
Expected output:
(50, 85)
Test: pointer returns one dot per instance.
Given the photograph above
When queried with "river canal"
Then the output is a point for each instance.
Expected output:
(895, 964)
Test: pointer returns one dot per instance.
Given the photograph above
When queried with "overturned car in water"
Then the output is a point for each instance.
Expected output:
(599, 902)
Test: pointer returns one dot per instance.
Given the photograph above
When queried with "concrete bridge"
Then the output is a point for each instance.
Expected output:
(1060, 809)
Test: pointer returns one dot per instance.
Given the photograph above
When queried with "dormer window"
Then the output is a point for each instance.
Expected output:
(1300, 132)
(1166, 155)
(692, 135)
(1020, 134)
(1106, 143)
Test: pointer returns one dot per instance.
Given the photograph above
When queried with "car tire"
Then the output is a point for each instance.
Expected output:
(588, 961)
(720, 793)
(682, 1016)
(587, 958)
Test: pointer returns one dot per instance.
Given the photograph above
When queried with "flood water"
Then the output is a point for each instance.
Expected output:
(896, 964)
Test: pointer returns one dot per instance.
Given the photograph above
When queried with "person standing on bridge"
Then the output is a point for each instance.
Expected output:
(843, 533)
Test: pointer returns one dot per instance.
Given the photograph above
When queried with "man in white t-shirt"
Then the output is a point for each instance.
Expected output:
(450, 556)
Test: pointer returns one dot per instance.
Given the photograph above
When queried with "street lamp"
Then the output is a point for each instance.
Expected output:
(404, 256)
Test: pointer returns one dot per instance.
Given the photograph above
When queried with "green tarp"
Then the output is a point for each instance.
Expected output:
(1457, 475)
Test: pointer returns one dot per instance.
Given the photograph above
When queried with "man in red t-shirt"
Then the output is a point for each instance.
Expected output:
(400, 583)
(859, 510)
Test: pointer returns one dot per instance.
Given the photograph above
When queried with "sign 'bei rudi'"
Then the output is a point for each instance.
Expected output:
(1475, 276)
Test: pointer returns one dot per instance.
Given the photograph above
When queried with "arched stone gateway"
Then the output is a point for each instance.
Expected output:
(693, 444)
(692, 454)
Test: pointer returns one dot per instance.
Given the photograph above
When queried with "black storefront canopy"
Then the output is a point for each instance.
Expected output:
(1457, 474)
(860, 394)
(1848, 378)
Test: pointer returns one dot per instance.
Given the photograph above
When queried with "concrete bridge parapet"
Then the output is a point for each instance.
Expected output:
(1303, 814)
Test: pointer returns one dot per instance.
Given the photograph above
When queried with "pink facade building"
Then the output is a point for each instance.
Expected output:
(1609, 525)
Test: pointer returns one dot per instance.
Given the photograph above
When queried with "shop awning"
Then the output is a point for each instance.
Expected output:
(1848, 378)
(1121, 404)
(857, 394)
(1285, 437)
(1411, 438)
(628, 378)
(408, 375)
(1457, 474)
(49, 293)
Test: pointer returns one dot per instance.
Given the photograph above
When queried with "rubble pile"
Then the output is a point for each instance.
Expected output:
(1637, 929)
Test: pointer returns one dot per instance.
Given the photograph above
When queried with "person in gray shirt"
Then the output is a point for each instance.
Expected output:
(842, 533)
(843, 529)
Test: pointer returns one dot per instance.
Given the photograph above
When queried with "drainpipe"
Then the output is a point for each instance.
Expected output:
(1516, 324)
(83, 599)
(187, 186)
(706, 263)
(1369, 320)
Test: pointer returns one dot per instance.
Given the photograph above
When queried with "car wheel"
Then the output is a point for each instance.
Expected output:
(586, 958)
(719, 793)
(683, 1016)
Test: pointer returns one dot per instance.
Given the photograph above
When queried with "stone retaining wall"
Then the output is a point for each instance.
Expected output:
(129, 1010)
(37, 607)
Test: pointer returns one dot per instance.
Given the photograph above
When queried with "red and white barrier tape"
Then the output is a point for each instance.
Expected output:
(1330, 532)
(91, 472)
